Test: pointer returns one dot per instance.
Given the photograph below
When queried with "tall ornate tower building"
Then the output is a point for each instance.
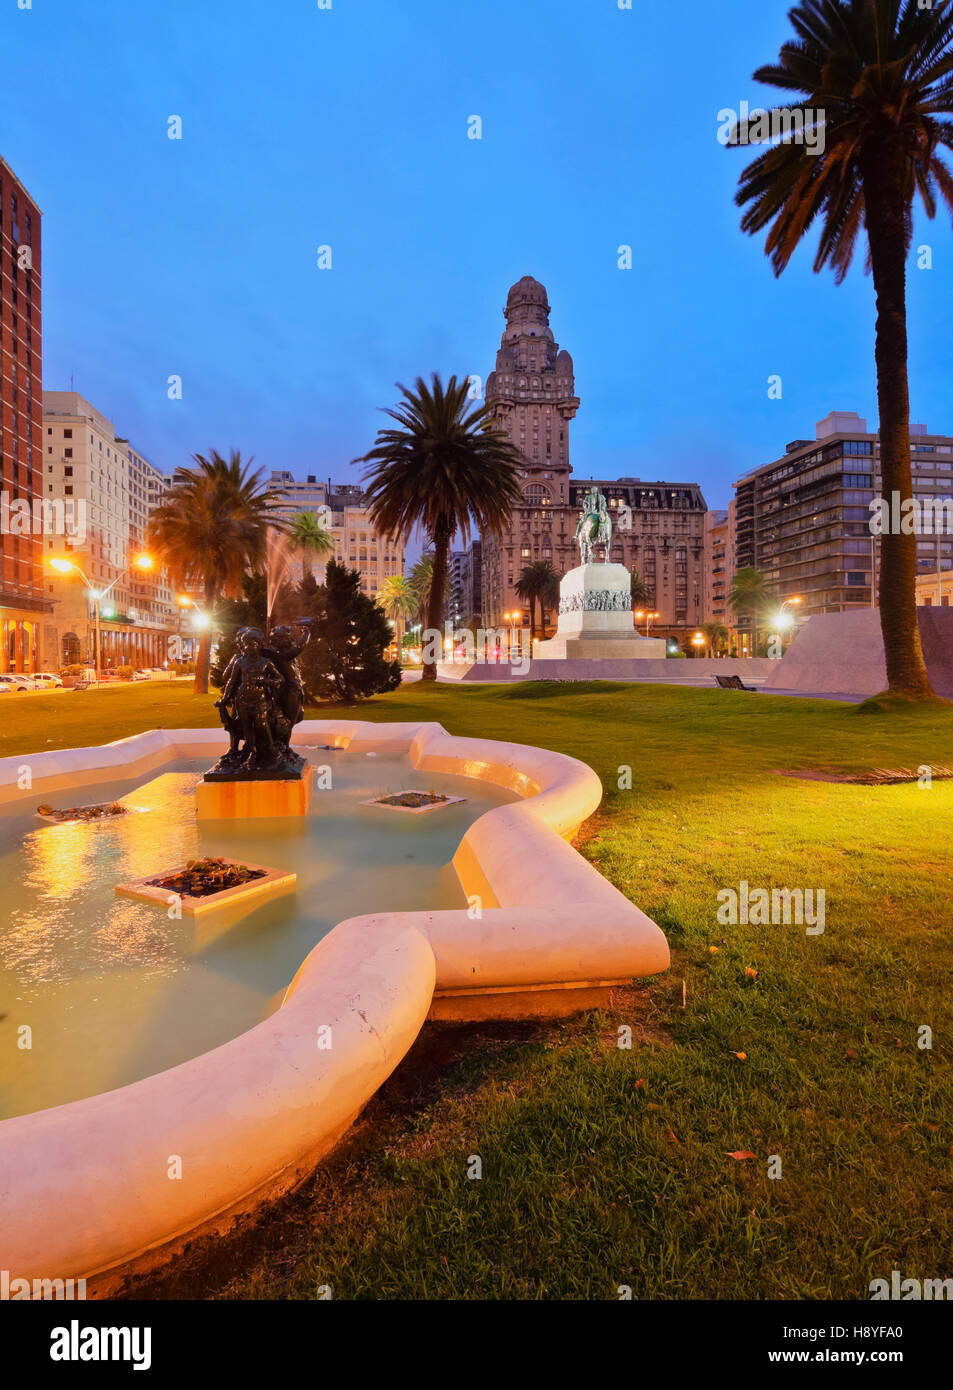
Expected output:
(658, 527)
(532, 395)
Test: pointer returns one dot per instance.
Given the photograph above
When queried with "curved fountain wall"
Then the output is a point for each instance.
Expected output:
(85, 1188)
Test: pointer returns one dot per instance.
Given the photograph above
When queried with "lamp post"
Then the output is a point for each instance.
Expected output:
(698, 641)
(60, 565)
(641, 613)
(785, 619)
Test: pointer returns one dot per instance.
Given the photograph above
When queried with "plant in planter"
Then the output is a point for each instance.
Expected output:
(202, 877)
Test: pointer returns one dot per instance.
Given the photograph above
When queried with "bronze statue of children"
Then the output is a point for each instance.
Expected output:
(250, 703)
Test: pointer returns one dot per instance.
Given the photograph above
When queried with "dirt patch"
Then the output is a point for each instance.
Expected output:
(876, 777)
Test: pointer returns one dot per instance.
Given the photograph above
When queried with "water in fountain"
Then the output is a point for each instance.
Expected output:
(277, 559)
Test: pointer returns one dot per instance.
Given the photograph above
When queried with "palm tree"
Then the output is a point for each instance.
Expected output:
(641, 592)
(750, 595)
(211, 530)
(399, 603)
(446, 467)
(716, 637)
(420, 582)
(538, 581)
(878, 75)
(309, 538)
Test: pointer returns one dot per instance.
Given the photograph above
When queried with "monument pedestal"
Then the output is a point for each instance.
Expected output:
(254, 797)
(595, 619)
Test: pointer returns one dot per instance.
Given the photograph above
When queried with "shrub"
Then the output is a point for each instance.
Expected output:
(124, 673)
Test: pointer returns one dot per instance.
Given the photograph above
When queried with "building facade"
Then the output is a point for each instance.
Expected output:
(658, 527)
(341, 508)
(804, 520)
(105, 489)
(718, 569)
(25, 604)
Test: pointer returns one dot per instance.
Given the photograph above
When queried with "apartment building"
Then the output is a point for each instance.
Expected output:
(25, 604)
(105, 489)
(343, 509)
(804, 519)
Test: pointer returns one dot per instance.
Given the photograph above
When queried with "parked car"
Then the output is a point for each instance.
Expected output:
(16, 683)
(47, 680)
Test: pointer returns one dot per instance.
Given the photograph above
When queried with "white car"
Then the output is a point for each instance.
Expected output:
(16, 683)
(46, 680)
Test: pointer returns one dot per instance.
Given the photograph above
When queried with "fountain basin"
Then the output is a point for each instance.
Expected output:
(85, 1188)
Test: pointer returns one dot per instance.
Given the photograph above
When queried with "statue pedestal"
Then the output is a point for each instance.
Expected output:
(252, 797)
(595, 619)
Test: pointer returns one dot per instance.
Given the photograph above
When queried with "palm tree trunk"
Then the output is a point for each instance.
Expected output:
(532, 620)
(883, 179)
(438, 586)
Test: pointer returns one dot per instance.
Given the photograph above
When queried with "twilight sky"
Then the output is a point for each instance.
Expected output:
(304, 127)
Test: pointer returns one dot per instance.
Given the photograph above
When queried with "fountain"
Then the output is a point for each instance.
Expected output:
(277, 560)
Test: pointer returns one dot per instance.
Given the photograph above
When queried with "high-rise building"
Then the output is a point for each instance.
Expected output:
(471, 582)
(804, 520)
(657, 526)
(107, 489)
(343, 509)
(25, 603)
(717, 567)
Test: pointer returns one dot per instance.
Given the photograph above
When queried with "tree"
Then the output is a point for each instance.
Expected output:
(750, 595)
(446, 467)
(874, 79)
(641, 592)
(399, 602)
(717, 638)
(249, 609)
(344, 660)
(308, 538)
(420, 582)
(537, 582)
(211, 530)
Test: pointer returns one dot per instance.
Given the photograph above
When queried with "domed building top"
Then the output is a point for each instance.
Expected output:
(564, 364)
(528, 289)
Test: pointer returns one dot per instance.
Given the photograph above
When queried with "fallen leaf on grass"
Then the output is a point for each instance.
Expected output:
(750, 973)
(740, 1154)
(742, 1056)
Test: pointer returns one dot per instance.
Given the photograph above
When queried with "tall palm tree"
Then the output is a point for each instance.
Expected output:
(309, 539)
(537, 582)
(750, 595)
(399, 603)
(878, 72)
(446, 467)
(211, 530)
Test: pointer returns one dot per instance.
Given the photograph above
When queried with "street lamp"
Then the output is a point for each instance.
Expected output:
(60, 565)
(641, 613)
(698, 641)
(785, 619)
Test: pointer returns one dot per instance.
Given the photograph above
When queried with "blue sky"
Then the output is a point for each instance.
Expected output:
(348, 127)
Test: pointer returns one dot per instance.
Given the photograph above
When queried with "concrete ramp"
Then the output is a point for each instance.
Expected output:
(843, 654)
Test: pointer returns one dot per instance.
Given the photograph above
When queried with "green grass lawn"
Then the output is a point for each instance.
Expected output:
(604, 1166)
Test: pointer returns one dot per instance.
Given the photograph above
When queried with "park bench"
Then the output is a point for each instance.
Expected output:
(733, 683)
